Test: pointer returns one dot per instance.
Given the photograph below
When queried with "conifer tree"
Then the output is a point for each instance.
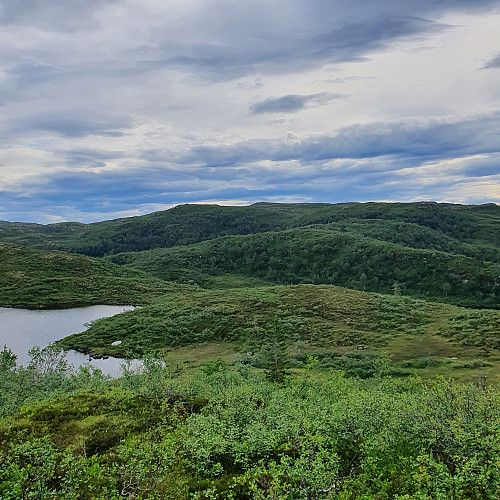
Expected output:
(275, 358)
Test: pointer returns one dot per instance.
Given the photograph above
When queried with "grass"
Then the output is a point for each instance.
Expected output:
(316, 314)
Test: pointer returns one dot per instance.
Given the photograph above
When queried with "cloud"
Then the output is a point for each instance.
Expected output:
(342, 40)
(402, 161)
(292, 103)
(113, 105)
(69, 15)
(73, 123)
(409, 138)
(350, 40)
(75, 127)
(493, 63)
(88, 157)
(233, 41)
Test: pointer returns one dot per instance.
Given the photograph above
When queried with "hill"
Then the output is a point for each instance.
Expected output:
(326, 254)
(37, 279)
(429, 250)
(188, 224)
(339, 325)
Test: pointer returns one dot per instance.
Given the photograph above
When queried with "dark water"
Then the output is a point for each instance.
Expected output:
(21, 329)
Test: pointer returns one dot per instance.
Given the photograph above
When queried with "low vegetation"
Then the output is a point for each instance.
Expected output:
(344, 328)
(227, 432)
(320, 315)
(43, 280)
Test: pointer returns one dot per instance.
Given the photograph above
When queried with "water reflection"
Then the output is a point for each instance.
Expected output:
(21, 329)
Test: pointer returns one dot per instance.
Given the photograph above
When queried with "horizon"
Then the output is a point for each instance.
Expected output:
(257, 203)
(119, 108)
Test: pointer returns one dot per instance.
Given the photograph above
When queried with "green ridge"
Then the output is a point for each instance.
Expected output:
(187, 224)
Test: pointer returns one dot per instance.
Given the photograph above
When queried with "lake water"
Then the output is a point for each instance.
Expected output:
(21, 329)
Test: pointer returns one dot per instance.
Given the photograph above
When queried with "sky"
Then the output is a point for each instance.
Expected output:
(116, 108)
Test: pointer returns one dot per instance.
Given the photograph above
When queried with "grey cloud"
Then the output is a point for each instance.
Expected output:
(74, 123)
(340, 42)
(493, 63)
(53, 15)
(133, 185)
(292, 102)
(94, 154)
(88, 157)
(27, 78)
(31, 73)
(407, 138)
(451, 5)
(216, 66)
(352, 39)
(75, 128)
(484, 168)
(324, 33)
(403, 7)
(330, 37)
(365, 180)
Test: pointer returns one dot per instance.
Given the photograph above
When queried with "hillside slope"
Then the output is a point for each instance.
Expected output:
(37, 279)
(326, 255)
(320, 315)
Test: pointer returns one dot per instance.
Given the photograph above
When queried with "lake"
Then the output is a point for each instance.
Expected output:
(21, 329)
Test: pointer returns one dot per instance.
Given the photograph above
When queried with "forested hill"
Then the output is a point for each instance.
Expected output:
(188, 224)
(325, 256)
(429, 250)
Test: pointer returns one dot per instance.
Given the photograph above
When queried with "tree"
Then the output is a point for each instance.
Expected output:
(396, 289)
(363, 281)
(274, 356)
(7, 359)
